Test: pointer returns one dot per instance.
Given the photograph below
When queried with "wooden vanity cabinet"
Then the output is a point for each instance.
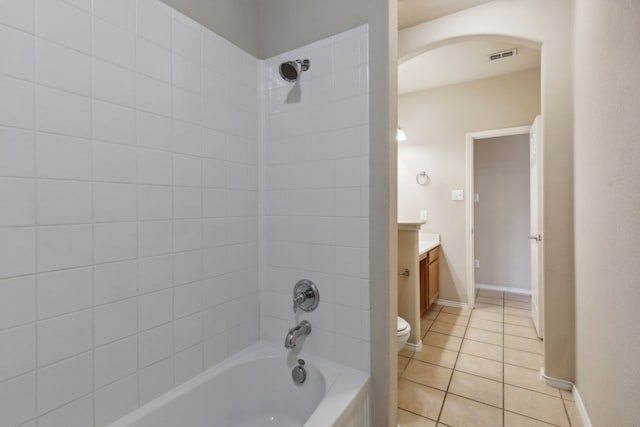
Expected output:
(429, 278)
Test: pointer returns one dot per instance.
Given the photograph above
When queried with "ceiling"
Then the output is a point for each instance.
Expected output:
(413, 12)
(461, 62)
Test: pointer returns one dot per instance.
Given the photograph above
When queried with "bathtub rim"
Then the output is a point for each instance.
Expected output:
(341, 381)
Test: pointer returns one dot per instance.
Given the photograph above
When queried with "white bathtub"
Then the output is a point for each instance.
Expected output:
(254, 388)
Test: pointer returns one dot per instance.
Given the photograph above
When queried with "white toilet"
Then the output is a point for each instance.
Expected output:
(404, 330)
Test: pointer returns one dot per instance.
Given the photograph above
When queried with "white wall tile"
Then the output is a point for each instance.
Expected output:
(113, 44)
(214, 203)
(114, 162)
(155, 380)
(114, 241)
(155, 167)
(64, 202)
(63, 68)
(187, 332)
(78, 413)
(188, 363)
(153, 131)
(155, 309)
(187, 170)
(116, 400)
(115, 281)
(64, 336)
(64, 157)
(187, 299)
(18, 399)
(17, 301)
(118, 12)
(16, 103)
(186, 37)
(18, 13)
(16, 56)
(213, 143)
(64, 246)
(64, 381)
(154, 238)
(114, 123)
(187, 202)
(18, 351)
(187, 267)
(17, 150)
(187, 235)
(155, 344)
(155, 273)
(186, 106)
(154, 202)
(18, 196)
(115, 321)
(113, 83)
(115, 361)
(65, 291)
(63, 112)
(62, 23)
(114, 202)
(214, 51)
(154, 22)
(153, 96)
(185, 73)
(187, 138)
(215, 350)
(153, 60)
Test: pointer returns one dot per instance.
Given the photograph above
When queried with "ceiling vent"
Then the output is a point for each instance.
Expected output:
(502, 55)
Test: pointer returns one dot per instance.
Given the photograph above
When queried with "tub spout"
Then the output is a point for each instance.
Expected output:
(304, 328)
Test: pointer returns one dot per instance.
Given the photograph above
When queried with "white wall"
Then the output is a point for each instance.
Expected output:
(317, 188)
(607, 173)
(436, 122)
(128, 186)
(502, 213)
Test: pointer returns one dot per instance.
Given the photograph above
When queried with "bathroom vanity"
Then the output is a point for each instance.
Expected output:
(429, 275)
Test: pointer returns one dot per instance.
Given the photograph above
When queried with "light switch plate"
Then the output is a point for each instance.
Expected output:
(423, 215)
(457, 195)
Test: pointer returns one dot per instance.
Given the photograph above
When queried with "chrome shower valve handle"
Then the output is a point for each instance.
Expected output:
(305, 296)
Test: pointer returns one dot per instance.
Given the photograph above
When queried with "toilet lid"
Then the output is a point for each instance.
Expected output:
(402, 324)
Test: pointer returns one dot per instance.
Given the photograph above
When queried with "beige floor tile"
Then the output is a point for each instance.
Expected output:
(487, 325)
(517, 420)
(517, 297)
(437, 356)
(480, 349)
(484, 336)
(480, 306)
(527, 378)
(436, 307)
(517, 312)
(535, 405)
(567, 395)
(425, 324)
(518, 320)
(402, 363)
(574, 415)
(407, 419)
(453, 318)
(521, 331)
(431, 314)
(425, 373)
(524, 344)
(525, 359)
(441, 340)
(476, 388)
(523, 305)
(490, 294)
(486, 315)
(457, 310)
(479, 366)
(405, 352)
(419, 399)
(460, 412)
(487, 300)
(448, 328)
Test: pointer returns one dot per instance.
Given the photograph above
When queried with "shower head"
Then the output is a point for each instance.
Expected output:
(290, 70)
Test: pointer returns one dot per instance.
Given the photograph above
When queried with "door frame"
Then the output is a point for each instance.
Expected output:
(470, 209)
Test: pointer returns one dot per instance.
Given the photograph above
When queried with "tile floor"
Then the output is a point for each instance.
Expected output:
(480, 368)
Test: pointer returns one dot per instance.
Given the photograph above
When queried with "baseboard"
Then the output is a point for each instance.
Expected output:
(568, 385)
(414, 347)
(452, 303)
(581, 409)
(520, 291)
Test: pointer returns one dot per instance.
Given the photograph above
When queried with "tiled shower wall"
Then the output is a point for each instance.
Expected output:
(317, 197)
(128, 206)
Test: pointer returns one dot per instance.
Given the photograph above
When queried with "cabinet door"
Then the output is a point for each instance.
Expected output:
(434, 281)
(424, 288)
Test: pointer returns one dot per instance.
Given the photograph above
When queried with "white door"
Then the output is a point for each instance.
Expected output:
(535, 239)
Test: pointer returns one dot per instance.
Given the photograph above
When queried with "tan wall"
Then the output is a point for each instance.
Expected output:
(436, 122)
(607, 209)
(502, 215)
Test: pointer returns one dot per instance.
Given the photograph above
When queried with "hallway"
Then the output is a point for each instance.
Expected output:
(480, 368)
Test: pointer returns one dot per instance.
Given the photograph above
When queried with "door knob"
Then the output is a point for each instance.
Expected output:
(537, 238)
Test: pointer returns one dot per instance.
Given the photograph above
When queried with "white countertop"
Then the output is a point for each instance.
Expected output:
(427, 241)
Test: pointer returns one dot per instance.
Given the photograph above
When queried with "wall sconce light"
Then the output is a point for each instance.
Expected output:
(400, 135)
